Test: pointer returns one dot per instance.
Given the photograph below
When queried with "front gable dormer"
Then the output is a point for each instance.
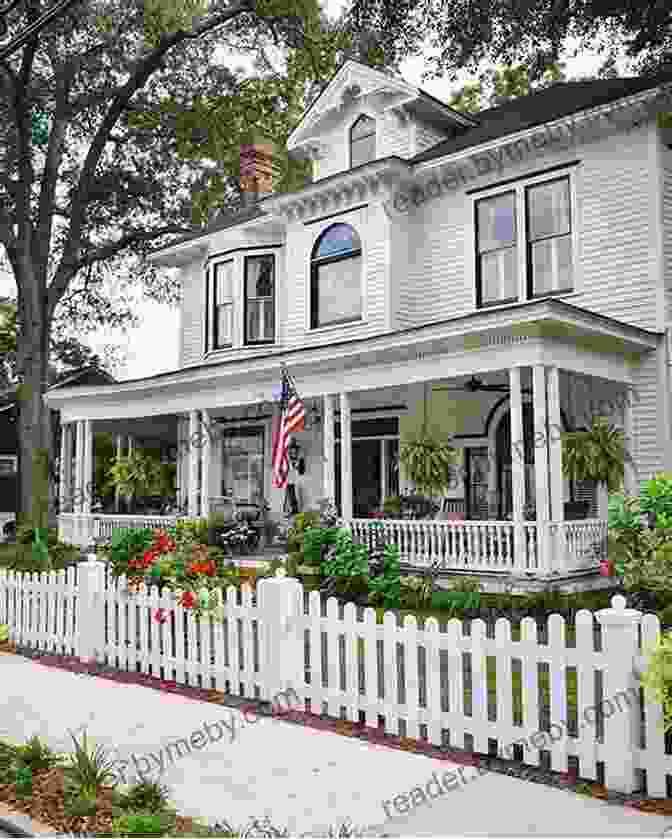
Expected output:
(365, 114)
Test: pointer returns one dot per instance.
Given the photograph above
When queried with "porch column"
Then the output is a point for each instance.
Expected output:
(555, 467)
(179, 472)
(88, 466)
(517, 470)
(346, 458)
(193, 464)
(117, 493)
(541, 467)
(130, 445)
(630, 479)
(206, 454)
(63, 467)
(79, 467)
(328, 448)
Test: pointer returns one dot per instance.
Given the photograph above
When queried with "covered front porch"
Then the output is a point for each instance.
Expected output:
(502, 402)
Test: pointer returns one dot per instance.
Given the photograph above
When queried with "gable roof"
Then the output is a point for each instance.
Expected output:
(90, 375)
(558, 100)
(371, 80)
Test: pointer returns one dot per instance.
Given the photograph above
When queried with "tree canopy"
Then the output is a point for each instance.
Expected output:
(103, 119)
(463, 33)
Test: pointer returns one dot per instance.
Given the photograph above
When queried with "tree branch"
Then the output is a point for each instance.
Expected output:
(50, 177)
(146, 67)
(134, 237)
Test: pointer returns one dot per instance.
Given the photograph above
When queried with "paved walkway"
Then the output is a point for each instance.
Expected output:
(300, 778)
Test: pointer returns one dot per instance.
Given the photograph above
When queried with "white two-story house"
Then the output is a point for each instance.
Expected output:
(508, 273)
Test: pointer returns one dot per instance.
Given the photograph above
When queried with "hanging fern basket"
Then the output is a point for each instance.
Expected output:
(426, 461)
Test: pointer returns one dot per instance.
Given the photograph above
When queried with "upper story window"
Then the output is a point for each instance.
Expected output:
(362, 141)
(336, 277)
(549, 238)
(524, 243)
(259, 299)
(221, 291)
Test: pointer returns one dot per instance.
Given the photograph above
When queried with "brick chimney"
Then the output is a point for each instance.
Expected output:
(257, 170)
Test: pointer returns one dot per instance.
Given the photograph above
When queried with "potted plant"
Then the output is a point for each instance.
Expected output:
(596, 454)
(140, 475)
(427, 461)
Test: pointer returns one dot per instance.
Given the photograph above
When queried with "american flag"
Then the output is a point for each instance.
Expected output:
(290, 418)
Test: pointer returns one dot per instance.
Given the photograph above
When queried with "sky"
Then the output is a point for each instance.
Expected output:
(144, 356)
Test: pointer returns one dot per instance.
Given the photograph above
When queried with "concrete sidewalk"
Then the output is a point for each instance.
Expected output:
(301, 778)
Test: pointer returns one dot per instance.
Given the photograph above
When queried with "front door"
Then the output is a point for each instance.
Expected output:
(366, 476)
(478, 466)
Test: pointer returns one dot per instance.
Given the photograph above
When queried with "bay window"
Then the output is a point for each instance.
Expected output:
(220, 306)
(259, 299)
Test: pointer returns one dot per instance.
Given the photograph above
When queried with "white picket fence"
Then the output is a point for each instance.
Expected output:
(465, 685)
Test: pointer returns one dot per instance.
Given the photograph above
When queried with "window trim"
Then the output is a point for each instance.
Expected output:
(315, 264)
(246, 340)
(211, 307)
(375, 138)
(569, 171)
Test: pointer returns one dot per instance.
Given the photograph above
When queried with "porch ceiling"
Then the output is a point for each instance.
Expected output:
(540, 332)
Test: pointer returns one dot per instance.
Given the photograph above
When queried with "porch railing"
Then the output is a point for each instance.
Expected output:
(82, 529)
(490, 545)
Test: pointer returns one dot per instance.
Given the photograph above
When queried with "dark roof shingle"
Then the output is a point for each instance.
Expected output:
(556, 101)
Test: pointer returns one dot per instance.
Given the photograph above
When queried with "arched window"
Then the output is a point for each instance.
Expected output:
(362, 141)
(336, 277)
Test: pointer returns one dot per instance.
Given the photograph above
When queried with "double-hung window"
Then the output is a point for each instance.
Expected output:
(497, 270)
(222, 304)
(259, 299)
(524, 242)
(549, 238)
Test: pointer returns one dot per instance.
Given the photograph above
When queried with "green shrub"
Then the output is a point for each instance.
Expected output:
(143, 824)
(78, 805)
(314, 542)
(148, 796)
(657, 680)
(385, 586)
(302, 523)
(462, 594)
(23, 781)
(37, 755)
(346, 565)
(656, 500)
(88, 770)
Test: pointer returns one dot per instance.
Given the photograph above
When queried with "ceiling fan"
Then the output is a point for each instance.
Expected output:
(474, 385)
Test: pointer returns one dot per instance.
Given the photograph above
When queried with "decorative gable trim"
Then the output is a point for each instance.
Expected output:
(338, 192)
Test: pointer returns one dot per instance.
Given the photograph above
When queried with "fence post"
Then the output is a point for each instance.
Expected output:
(281, 641)
(620, 694)
(90, 640)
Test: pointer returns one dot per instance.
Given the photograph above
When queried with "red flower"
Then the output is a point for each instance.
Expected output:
(188, 599)
(148, 558)
(607, 567)
(161, 615)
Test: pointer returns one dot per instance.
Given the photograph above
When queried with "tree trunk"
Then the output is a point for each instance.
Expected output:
(35, 444)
